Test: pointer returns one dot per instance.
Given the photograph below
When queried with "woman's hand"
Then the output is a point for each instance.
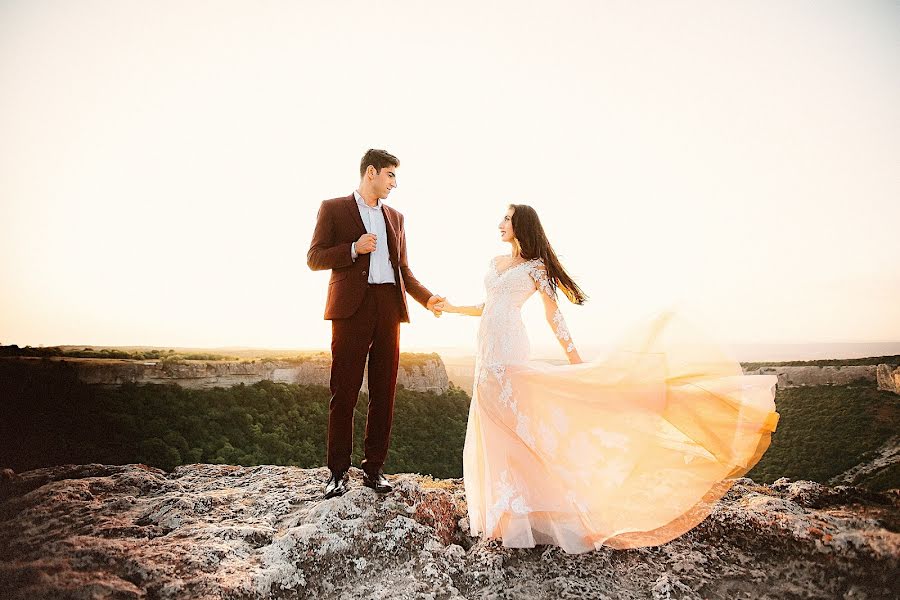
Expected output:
(472, 311)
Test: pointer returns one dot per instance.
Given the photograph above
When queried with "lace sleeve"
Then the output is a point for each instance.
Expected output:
(538, 273)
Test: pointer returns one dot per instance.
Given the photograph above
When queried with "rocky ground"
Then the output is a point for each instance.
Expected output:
(212, 531)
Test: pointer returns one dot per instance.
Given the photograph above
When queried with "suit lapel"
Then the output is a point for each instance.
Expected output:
(392, 228)
(354, 215)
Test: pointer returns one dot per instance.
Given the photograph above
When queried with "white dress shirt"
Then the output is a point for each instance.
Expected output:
(380, 269)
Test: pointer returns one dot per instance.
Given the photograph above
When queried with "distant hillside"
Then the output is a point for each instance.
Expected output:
(54, 418)
(825, 431)
(165, 353)
(893, 360)
(460, 370)
(828, 433)
(118, 366)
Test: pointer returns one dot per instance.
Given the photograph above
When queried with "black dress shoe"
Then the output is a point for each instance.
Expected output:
(337, 484)
(377, 482)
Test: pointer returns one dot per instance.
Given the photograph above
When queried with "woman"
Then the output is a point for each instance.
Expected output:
(629, 451)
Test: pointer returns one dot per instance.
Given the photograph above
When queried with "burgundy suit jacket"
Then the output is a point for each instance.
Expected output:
(338, 225)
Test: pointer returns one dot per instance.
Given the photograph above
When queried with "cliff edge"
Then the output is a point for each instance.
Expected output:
(214, 531)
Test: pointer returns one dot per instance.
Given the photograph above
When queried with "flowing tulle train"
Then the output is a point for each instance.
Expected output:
(628, 451)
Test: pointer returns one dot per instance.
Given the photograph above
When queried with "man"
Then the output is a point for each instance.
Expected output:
(363, 242)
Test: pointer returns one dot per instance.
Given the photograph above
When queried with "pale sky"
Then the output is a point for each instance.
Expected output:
(161, 163)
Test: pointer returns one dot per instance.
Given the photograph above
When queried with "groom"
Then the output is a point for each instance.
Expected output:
(363, 242)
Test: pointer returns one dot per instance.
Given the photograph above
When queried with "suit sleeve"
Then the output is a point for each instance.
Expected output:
(413, 287)
(323, 252)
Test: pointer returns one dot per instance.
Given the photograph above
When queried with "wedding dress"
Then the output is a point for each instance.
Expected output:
(628, 451)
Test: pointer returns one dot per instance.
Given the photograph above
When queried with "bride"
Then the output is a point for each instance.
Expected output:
(629, 451)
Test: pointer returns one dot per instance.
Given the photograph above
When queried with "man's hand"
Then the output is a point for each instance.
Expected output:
(365, 243)
(435, 305)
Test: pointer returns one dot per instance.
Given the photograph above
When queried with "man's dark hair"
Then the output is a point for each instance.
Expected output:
(378, 159)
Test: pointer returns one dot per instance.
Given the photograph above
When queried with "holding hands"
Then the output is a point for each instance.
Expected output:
(472, 311)
(439, 305)
(436, 304)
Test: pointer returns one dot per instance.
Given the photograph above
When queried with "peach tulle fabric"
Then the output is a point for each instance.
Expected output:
(632, 450)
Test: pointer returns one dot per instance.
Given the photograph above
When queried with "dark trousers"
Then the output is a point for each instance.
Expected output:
(373, 331)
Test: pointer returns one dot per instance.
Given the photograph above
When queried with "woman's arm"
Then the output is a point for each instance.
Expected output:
(472, 311)
(554, 316)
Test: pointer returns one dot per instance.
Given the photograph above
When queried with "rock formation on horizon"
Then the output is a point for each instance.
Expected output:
(885, 376)
(218, 531)
(424, 375)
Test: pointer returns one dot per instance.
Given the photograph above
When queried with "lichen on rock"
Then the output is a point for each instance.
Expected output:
(219, 531)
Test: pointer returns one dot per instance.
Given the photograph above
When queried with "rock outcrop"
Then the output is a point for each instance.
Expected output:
(885, 457)
(424, 375)
(212, 531)
(428, 375)
(888, 378)
(794, 376)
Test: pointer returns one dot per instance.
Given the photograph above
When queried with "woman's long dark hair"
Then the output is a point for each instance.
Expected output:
(533, 243)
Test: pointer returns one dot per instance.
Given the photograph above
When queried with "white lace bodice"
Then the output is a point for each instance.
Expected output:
(502, 338)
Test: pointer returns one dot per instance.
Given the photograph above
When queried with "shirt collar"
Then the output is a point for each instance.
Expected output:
(361, 202)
